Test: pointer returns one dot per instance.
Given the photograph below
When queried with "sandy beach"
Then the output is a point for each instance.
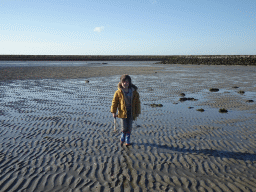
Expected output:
(57, 134)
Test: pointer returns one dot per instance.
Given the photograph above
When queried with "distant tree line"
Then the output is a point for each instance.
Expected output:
(162, 59)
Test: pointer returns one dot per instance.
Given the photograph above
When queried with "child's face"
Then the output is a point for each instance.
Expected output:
(125, 84)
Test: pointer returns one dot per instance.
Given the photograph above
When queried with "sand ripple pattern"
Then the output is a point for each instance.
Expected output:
(57, 135)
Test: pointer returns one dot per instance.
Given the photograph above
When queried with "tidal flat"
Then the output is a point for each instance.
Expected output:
(57, 132)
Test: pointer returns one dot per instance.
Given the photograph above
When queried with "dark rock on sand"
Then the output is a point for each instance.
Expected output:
(156, 105)
(183, 99)
(214, 89)
(187, 98)
(182, 94)
(241, 92)
(223, 110)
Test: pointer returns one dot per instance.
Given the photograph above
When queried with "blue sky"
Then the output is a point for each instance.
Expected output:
(128, 27)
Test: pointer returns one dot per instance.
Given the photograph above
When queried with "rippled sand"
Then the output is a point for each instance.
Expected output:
(58, 134)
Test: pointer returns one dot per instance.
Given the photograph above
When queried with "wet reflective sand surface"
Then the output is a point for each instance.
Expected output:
(57, 134)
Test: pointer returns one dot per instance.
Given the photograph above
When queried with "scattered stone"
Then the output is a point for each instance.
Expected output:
(191, 99)
(241, 92)
(183, 99)
(182, 94)
(156, 105)
(214, 89)
(187, 98)
(86, 81)
(223, 110)
(201, 110)
(249, 101)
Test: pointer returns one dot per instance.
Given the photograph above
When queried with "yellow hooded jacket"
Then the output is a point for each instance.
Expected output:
(118, 102)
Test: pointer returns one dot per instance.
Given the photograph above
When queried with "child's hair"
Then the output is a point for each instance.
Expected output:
(125, 77)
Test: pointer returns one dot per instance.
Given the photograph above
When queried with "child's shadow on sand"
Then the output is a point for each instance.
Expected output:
(210, 152)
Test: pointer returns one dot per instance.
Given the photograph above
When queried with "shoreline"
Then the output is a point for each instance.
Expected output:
(162, 59)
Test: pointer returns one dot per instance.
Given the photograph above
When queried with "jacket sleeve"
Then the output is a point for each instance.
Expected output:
(137, 104)
(115, 103)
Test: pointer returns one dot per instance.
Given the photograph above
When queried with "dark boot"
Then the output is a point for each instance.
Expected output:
(128, 139)
(122, 139)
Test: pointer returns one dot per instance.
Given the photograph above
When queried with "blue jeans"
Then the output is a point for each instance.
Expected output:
(126, 125)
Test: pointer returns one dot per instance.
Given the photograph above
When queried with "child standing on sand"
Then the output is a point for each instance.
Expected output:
(127, 100)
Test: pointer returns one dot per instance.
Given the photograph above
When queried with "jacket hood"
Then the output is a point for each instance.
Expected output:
(119, 86)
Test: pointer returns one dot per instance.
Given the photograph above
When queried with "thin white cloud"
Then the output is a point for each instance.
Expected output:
(153, 1)
(99, 29)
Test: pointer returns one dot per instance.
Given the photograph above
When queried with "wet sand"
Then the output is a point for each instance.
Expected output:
(69, 72)
(56, 131)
